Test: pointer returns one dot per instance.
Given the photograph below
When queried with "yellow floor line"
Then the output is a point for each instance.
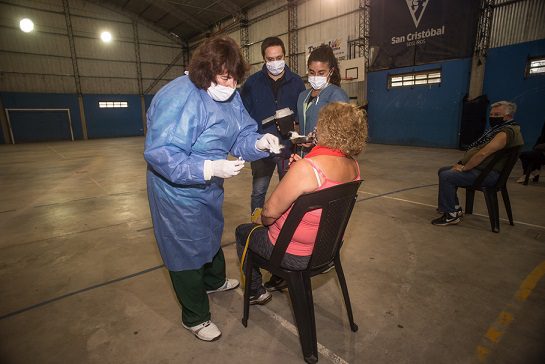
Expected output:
(499, 327)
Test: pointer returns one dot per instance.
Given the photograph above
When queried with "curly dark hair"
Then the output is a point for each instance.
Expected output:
(324, 53)
(342, 126)
(214, 57)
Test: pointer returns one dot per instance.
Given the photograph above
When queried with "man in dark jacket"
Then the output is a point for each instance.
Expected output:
(273, 88)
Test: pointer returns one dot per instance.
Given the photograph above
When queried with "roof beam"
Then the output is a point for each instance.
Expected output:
(187, 19)
(136, 18)
(231, 7)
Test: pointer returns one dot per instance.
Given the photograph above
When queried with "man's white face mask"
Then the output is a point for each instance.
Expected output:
(219, 92)
(276, 67)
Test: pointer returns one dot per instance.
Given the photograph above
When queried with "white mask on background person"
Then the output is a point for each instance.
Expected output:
(276, 67)
(317, 82)
(220, 92)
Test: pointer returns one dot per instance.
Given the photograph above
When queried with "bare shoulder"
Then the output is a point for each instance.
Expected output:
(300, 177)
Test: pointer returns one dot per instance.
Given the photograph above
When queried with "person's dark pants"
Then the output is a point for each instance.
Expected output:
(191, 286)
(260, 244)
(450, 180)
(531, 159)
(262, 172)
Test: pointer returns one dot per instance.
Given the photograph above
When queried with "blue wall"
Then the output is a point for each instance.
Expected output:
(421, 115)
(2, 136)
(101, 123)
(112, 122)
(505, 80)
(47, 101)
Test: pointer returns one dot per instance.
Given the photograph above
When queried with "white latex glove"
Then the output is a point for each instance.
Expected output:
(269, 142)
(222, 168)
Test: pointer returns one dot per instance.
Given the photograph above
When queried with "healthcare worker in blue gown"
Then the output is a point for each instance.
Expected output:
(194, 122)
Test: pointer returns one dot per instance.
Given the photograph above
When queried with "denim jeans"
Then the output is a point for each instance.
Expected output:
(262, 171)
(259, 243)
(450, 180)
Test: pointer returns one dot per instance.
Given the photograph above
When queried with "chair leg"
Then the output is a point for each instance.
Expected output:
(491, 206)
(470, 196)
(344, 288)
(494, 197)
(301, 299)
(248, 279)
(507, 204)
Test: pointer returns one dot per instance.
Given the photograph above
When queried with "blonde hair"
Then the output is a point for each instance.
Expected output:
(342, 126)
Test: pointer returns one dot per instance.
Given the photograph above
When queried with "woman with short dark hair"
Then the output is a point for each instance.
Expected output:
(193, 124)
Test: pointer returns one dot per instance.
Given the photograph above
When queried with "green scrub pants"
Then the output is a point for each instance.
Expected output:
(191, 286)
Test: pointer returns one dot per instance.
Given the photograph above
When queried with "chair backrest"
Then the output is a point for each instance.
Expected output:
(511, 157)
(336, 203)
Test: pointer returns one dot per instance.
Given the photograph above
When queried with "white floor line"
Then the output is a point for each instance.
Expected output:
(425, 204)
(334, 358)
(54, 150)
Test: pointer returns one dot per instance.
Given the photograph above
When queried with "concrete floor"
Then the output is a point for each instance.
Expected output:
(81, 279)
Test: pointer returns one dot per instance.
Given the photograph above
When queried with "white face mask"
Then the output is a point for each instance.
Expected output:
(276, 67)
(220, 92)
(317, 82)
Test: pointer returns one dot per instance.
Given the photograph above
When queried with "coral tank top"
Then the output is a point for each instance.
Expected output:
(303, 239)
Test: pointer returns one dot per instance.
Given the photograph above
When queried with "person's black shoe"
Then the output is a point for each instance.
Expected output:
(275, 284)
(260, 299)
(446, 219)
(459, 212)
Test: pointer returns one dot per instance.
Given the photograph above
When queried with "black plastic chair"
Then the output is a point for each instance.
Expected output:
(491, 192)
(336, 203)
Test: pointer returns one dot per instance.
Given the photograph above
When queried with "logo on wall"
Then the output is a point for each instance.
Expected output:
(338, 45)
(417, 8)
(399, 40)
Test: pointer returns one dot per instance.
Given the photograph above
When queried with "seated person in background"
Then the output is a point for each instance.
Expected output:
(341, 135)
(504, 132)
(533, 158)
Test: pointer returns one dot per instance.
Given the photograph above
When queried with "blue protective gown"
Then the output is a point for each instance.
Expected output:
(185, 128)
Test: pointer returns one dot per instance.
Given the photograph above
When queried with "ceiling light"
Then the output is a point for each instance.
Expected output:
(106, 37)
(26, 25)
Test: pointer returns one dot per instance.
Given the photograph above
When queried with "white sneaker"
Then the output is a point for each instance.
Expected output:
(521, 179)
(261, 299)
(230, 283)
(206, 331)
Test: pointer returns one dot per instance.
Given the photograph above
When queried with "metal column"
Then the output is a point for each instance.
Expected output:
(70, 32)
(244, 38)
(292, 36)
(139, 75)
(4, 124)
(482, 42)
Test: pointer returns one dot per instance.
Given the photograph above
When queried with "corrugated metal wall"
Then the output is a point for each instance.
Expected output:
(41, 61)
(322, 20)
(517, 22)
(317, 21)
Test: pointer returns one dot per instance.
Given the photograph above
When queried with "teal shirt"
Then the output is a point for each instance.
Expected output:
(307, 113)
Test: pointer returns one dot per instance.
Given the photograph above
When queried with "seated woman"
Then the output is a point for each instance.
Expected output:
(341, 135)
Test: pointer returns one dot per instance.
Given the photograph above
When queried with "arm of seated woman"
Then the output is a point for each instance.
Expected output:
(299, 180)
